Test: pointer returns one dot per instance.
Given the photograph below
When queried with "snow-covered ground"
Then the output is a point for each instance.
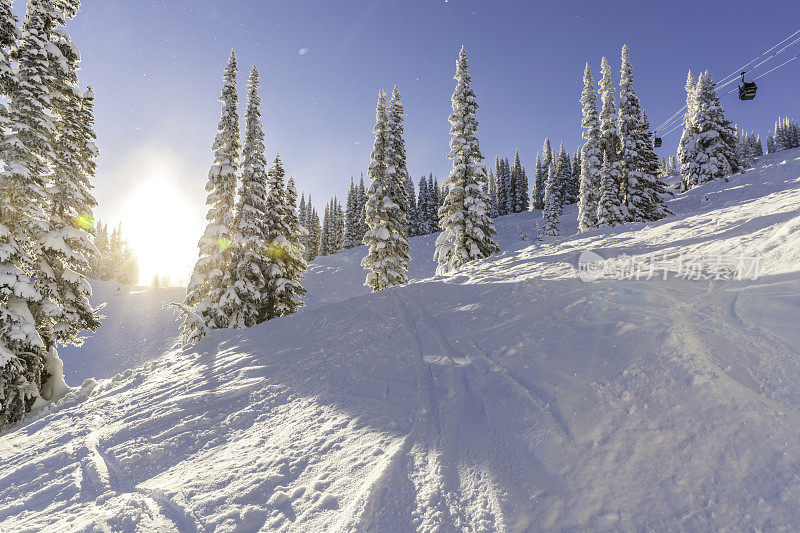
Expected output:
(509, 396)
(136, 328)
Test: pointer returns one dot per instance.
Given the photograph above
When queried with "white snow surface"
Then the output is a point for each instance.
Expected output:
(136, 328)
(510, 396)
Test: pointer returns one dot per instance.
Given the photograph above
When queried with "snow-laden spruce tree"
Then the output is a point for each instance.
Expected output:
(387, 256)
(552, 202)
(26, 149)
(338, 226)
(563, 175)
(491, 192)
(687, 146)
(65, 248)
(502, 186)
(361, 206)
(396, 154)
(314, 239)
(412, 217)
(467, 231)
(537, 194)
(759, 148)
(435, 203)
(21, 349)
(591, 159)
(710, 148)
(243, 302)
(520, 185)
(631, 142)
(653, 190)
(282, 232)
(609, 212)
(213, 270)
(609, 137)
(8, 38)
(351, 217)
(423, 225)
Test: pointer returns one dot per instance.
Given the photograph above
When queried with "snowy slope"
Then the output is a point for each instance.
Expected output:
(510, 396)
(136, 328)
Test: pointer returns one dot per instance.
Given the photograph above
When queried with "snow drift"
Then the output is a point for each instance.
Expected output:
(509, 396)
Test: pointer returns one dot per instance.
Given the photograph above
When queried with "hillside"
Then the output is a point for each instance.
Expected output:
(509, 396)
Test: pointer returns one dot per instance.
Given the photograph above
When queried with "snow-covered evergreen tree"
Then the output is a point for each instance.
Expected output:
(609, 213)
(492, 193)
(21, 349)
(563, 175)
(396, 159)
(212, 272)
(672, 166)
(653, 190)
(591, 158)
(325, 239)
(243, 302)
(412, 218)
(552, 202)
(338, 227)
(423, 223)
(759, 148)
(467, 231)
(285, 265)
(503, 186)
(537, 195)
(314, 239)
(8, 38)
(708, 150)
(434, 203)
(362, 202)
(302, 209)
(519, 185)
(687, 147)
(351, 217)
(609, 136)
(387, 256)
(632, 141)
(26, 148)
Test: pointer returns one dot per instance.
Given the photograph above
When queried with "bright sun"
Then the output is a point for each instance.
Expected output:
(162, 230)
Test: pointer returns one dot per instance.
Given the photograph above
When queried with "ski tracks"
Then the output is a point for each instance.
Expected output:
(102, 476)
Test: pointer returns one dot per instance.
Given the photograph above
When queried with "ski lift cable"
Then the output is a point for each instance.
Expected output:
(767, 72)
(738, 72)
(682, 122)
(776, 54)
(670, 121)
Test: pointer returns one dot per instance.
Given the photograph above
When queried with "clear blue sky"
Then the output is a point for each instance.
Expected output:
(156, 69)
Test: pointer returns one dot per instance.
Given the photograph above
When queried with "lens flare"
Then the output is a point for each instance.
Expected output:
(85, 221)
(224, 243)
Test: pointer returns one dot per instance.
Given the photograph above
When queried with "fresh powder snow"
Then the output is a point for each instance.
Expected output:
(510, 395)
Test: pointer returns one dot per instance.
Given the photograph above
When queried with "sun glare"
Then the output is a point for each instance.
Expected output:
(161, 228)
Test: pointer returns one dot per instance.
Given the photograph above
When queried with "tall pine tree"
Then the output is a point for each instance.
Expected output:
(243, 303)
(387, 256)
(464, 216)
(212, 272)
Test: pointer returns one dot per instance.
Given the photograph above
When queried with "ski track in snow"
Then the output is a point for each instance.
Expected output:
(509, 396)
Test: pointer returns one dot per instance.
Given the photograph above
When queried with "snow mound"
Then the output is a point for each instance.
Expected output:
(508, 396)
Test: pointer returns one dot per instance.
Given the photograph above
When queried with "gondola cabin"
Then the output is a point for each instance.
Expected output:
(747, 90)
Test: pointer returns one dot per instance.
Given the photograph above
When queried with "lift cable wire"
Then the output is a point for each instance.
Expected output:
(735, 74)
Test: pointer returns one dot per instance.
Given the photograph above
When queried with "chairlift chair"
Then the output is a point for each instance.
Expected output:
(657, 142)
(747, 90)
